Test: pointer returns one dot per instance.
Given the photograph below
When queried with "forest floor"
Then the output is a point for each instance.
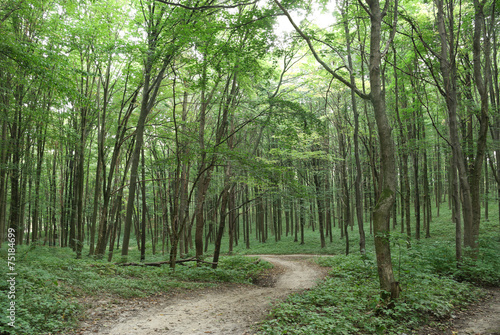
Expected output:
(237, 308)
(226, 309)
(481, 318)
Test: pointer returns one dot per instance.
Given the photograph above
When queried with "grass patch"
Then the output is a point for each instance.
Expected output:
(286, 245)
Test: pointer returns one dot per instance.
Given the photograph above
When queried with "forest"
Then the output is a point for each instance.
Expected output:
(149, 145)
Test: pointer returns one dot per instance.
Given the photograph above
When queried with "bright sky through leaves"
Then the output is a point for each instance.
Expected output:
(318, 17)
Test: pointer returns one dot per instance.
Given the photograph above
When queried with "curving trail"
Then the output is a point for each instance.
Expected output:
(230, 311)
(482, 318)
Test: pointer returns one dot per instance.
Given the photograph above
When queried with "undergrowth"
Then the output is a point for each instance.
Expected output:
(348, 300)
(433, 285)
(50, 281)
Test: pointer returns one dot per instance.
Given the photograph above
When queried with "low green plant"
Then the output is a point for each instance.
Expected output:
(485, 270)
(42, 304)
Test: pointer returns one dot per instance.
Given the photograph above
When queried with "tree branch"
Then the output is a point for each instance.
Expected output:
(393, 31)
(207, 7)
(316, 56)
(364, 7)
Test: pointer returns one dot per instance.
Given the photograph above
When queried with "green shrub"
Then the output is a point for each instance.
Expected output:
(485, 271)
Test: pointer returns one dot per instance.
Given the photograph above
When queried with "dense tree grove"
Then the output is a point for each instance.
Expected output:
(174, 125)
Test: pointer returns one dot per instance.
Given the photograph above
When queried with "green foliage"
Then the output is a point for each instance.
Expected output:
(42, 303)
(484, 271)
(438, 256)
(231, 269)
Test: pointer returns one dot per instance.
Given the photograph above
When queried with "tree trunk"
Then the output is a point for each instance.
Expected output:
(416, 167)
(149, 93)
(359, 171)
(302, 220)
(346, 204)
(427, 193)
(36, 205)
(79, 186)
(223, 214)
(15, 205)
(320, 203)
(457, 219)
(144, 207)
(448, 71)
(383, 208)
(471, 233)
(385, 201)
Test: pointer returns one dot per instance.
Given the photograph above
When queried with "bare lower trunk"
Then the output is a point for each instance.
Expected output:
(457, 219)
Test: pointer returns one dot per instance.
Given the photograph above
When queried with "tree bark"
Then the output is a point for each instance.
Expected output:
(383, 207)
(149, 93)
(471, 232)
(320, 201)
(144, 207)
(448, 71)
(359, 171)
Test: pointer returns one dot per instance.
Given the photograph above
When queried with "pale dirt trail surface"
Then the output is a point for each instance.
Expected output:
(232, 310)
(482, 318)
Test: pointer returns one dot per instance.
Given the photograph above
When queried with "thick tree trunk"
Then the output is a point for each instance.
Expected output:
(383, 209)
(471, 236)
(223, 214)
(457, 219)
(448, 71)
(385, 201)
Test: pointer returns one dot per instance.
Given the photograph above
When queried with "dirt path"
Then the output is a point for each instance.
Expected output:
(232, 310)
(482, 318)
